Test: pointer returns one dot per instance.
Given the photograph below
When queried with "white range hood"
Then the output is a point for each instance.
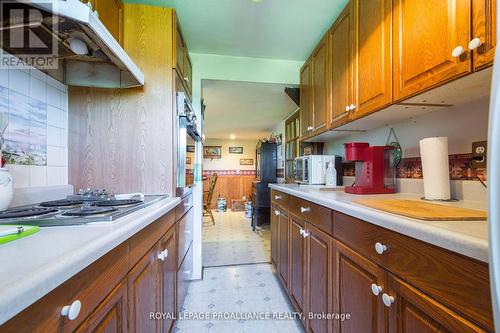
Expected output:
(88, 55)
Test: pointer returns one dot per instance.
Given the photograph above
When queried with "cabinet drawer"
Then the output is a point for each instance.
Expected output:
(184, 235)
(452, 279)
(183, 207)
(279, 198)
(90, 287)
(312, 213)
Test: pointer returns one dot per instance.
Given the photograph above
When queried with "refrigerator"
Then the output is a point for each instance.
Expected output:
(494, 187)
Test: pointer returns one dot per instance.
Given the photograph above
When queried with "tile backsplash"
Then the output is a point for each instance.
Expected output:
(37, 135)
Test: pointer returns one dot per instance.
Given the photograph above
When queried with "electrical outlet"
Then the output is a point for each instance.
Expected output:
(479, 154)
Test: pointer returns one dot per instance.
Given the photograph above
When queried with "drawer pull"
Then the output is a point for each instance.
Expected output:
(277, 197)
(305, 210)
(387, 299)
(277, 212)
(376, 290)
(380, 248)
(72, 311)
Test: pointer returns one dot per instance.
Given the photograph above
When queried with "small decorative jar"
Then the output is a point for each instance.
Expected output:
(6, 190)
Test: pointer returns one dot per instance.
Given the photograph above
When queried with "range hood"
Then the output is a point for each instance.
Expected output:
(86, 52)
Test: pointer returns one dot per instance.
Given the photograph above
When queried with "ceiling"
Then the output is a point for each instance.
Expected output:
(274, 29)
(246, 109)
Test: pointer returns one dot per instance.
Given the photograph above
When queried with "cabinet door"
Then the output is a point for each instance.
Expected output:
(111, 15)
(274, 236)
(342, 64)
(143, 292)
(305, 98)
(320, 90)
(188, 76)
(110, 316)
(297, 262)
(412, 311)
(319, 277)
(374, 55)
(179, 51)
(168, 273)
(283, 247)
(353, 292)
(484, 28)
(425, 34)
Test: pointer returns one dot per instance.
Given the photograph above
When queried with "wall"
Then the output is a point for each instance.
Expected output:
(37, 108)
(230, 163)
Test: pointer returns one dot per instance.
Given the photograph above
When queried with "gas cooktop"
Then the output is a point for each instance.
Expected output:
(87, 207)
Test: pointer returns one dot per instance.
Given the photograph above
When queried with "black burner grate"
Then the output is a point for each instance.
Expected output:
(115, 203)
(25, 212)
(62, 203)
(89, 211)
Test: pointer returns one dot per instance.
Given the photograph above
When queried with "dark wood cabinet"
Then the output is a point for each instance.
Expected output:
(306, 99)
(319, 278)
(342, 67)
(283, 229)
(168, 278)
(297, 262)
(110, 316)
(274, 227)
(320, 91)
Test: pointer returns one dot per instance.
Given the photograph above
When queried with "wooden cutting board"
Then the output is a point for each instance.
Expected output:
(424, 210)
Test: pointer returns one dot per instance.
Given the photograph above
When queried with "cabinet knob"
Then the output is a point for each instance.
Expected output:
(347, 108)
(276, 212)
(305, 234)
(457, 51)
(387, 299)
(475, 43)
(277, 197)
(186, 79)
(165, 253)
(301, 231)
(305, 210)
(310, 128)
(380, 248)
(161, 256)
(352, 107)
(72, 311)
(376, 290)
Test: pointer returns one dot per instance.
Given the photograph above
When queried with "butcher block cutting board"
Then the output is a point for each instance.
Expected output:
(423, 210)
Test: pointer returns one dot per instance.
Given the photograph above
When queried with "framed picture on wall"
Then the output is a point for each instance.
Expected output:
(212, 152)
(188, 160)
(235, 150)
(190, 148)
(246, 161)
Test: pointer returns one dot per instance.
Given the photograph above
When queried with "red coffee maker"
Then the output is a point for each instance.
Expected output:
(375, 168)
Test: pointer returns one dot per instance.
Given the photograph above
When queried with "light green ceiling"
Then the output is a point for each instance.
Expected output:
(275, 29)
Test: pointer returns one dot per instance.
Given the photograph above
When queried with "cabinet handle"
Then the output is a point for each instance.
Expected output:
(380, 248)
(310, 128)
(387, 299)
(301, 231)
(376, 290)
(352, 107)
(305, 234)
(165, 253)
(186, 79)
(162, 255)
(305, 210)
(277, 212)
(277, 197)
(457, 51)
(474, 44)
(347, 108)
(71, 311)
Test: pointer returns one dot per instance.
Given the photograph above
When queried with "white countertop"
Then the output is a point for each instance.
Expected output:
(33, 266)
(469, 238)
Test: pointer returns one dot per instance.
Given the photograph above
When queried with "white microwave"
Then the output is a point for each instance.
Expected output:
(311, 169)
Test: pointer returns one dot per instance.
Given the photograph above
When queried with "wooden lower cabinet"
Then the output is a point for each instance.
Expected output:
(111, 315)
(274, 236)
(283, 229)
(143, 293)
(297, 262)
(168, 279)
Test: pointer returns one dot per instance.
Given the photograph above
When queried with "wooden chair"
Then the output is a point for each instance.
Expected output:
(207, 197)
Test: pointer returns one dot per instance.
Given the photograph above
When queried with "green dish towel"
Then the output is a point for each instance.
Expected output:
(28, 230)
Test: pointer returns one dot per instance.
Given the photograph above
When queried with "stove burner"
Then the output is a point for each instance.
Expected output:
(25, 212)
(112, 203)
(62, 203)
(89, 211)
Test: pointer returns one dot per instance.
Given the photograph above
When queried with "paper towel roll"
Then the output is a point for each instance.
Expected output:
(435, 167)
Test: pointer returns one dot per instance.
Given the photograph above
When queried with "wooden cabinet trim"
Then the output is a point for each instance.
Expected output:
(484, 27)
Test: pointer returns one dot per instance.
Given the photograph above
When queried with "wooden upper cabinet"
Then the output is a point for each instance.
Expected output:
(484, 29)
(305, 98)
(354, 276)
(179, 50)
(320, 279)
(110, 316)
(373, 55)
(425, 34)
(414, 312)
(320, 91)
(342, 67)
(188, 72)
(111, 15)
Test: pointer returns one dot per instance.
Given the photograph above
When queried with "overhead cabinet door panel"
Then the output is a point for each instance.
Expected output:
(425, 35)
(320, 85)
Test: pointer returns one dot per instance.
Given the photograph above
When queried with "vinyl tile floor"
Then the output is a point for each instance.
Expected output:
(231, 241)
(250, 297)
